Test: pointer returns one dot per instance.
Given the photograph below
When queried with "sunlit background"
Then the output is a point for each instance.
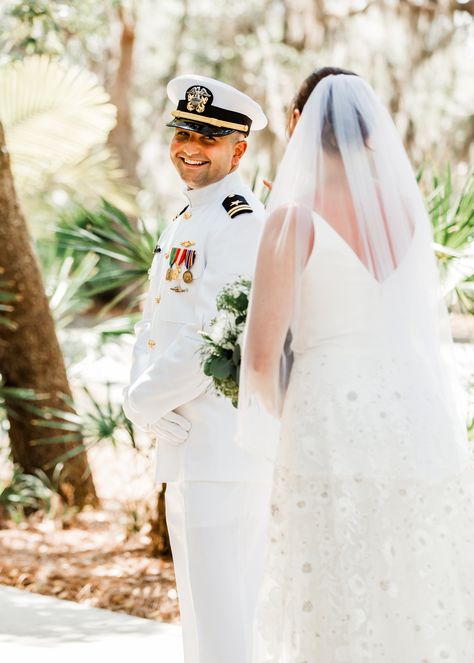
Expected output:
(83, 105)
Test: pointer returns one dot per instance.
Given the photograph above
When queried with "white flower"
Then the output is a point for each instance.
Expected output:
(225, 321)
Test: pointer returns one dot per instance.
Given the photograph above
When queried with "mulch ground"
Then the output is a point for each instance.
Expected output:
(95, 558)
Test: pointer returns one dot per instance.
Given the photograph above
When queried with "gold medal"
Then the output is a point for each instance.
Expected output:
(175, 273)
(169, 273)
(189, 262)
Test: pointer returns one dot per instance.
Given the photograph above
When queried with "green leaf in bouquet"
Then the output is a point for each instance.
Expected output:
(236, 354)
(220, 367)
(241, 303)
(233, 372)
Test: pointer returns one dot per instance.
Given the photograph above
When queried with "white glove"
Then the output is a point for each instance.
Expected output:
(172, 428)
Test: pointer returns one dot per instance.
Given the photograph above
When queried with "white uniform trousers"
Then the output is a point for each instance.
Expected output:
(218, 537)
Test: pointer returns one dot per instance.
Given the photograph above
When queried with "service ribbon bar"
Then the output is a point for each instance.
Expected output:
(190, 257)
(173, 256)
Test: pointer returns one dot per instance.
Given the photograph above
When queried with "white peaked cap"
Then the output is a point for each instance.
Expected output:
(212, 106)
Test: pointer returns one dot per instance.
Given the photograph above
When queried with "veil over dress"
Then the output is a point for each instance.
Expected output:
(371, 543)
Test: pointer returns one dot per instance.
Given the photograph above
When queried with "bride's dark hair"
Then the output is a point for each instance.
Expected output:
(308, 85)
(301, 97)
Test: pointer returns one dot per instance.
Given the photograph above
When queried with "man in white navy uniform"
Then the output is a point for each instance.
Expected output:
(218, 552)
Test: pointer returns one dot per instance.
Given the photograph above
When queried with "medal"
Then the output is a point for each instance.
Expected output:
(176, 258)
(189, 262)
(175, 273)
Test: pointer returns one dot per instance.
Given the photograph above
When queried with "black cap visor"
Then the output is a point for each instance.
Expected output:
(199, 127)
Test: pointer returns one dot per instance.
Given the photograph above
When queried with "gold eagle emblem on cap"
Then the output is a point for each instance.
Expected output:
(197, 99)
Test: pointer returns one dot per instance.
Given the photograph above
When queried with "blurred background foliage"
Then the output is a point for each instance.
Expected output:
(416, 53)
(83, 104)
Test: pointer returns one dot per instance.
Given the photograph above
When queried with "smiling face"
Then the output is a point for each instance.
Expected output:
(201, 160)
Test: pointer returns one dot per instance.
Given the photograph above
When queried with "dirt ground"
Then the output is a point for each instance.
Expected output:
(102, 558)
(92, 560)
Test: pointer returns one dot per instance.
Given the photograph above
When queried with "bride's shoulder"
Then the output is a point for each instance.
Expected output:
(290, 228)
(291, 217)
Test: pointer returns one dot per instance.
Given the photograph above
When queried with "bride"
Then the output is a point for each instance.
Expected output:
(347, 369)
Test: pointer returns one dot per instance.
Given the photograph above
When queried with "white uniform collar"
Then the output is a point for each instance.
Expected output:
(216, 191)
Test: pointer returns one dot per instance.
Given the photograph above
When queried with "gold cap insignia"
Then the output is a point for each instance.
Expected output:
(197, 97)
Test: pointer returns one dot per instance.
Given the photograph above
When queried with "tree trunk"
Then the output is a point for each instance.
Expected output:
(121, 137)
(159, 530)
(30, 356)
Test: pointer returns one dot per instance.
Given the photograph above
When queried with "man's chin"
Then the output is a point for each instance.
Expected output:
(192, 180)
(195, 182)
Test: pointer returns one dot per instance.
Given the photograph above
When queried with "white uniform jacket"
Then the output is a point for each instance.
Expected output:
(166, 371)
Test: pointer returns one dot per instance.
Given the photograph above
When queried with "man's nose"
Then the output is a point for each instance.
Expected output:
(190, 147)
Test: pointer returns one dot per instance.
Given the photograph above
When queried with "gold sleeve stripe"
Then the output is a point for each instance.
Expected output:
(242, 208)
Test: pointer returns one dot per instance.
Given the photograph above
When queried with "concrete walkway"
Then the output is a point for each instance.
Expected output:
(44, 629)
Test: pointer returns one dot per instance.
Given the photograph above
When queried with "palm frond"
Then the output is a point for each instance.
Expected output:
(451, 213)
(52, 115)
(126, 251)
(65, 284)
(452, 218)
(57, 119)
(101, 422)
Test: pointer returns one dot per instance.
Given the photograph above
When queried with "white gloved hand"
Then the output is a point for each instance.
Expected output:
(172, 428)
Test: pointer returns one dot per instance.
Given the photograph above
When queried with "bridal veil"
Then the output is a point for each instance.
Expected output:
(346, 164)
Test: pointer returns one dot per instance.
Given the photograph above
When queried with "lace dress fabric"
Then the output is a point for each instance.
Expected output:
(371, 551)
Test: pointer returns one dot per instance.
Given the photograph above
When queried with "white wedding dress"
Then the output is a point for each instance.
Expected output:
(371, 547)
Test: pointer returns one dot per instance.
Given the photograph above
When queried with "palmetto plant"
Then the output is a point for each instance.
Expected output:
(126, 250)
(66, 281)
(452, 217)
(101, 422)
(19, 400)
(25, 492)
(57, 119)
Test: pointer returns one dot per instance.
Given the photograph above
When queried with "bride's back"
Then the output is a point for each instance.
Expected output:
(342, 301)
(366, 375)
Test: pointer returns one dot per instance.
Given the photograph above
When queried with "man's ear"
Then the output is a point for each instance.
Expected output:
(239, 150)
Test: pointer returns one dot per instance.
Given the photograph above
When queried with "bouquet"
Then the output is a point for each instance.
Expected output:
(221, 350)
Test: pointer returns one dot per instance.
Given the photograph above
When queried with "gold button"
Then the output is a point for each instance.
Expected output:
(151, 344)
(187, 215)
(157, 300)
(167, 255)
